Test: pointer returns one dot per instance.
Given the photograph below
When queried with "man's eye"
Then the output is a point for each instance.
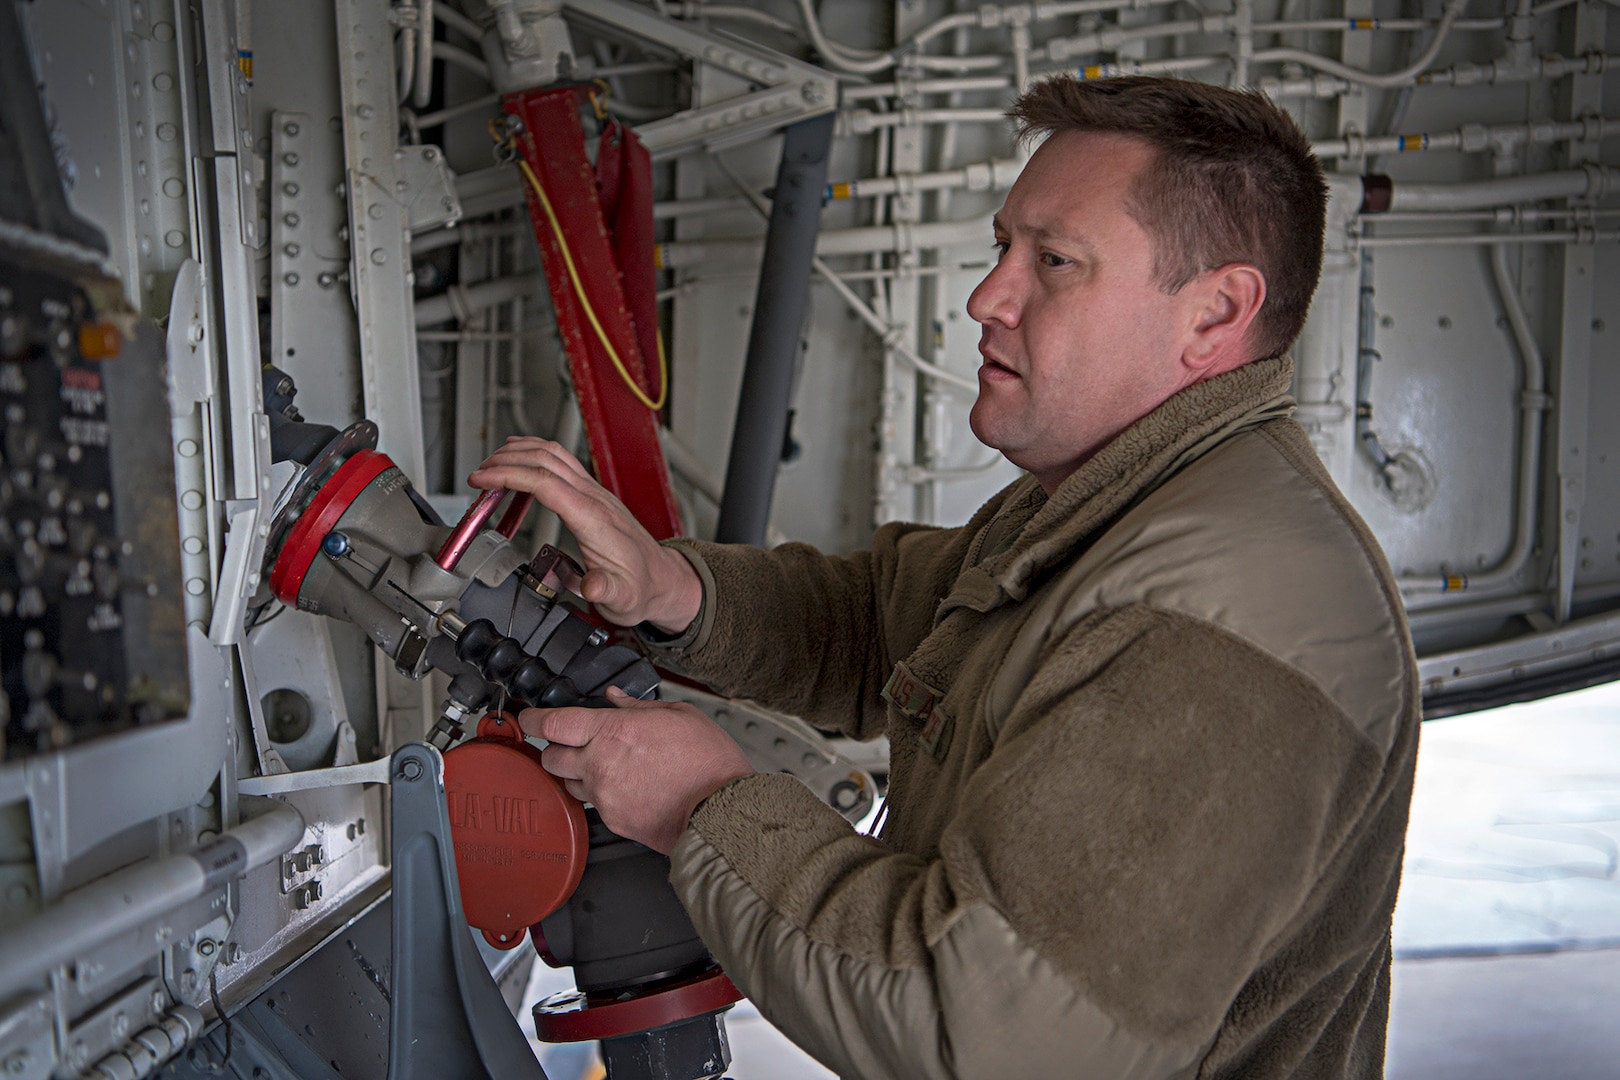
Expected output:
(1000, 246)
(1050, 259)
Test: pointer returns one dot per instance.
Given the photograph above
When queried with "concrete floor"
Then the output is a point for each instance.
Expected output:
(1514, 846)
(1548, 1016)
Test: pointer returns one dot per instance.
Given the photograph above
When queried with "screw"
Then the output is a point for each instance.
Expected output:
(289, 158)
(207, 946)
(290, 279)
(290, 188)
(291, 220)
(411, 769)
(290, 128)
(325, 279)
(17, 1063)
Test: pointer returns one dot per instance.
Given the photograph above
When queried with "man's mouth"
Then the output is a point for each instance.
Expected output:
(994, 369)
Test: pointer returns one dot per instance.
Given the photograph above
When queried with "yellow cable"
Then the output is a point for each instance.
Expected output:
(590, 313)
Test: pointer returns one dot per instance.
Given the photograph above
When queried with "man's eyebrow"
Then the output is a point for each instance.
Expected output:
(1041, 233)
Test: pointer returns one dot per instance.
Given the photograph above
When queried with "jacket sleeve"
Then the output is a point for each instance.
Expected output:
(1153, 815)
(809, 634)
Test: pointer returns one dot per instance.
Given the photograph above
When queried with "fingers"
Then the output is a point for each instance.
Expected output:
(531, 451)
(573, 727)
(623, 700)
(563, 762)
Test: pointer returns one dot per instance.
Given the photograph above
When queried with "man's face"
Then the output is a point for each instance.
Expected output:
(1078, 341)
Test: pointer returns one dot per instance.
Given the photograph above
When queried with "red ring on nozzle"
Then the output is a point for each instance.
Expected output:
(570, 1016)
(303, 543)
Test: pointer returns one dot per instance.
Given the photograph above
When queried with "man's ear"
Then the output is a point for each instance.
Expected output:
(1226, 302)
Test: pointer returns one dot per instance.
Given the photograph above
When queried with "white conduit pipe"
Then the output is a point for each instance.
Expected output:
(127, 898)
(988, 17)
(864, 121)
(1592, 182)
(1567, 236)
(1502, 215)
(1537, 69)
(1357, 25)
(967, 84)
(1533, 401)
(405, 54)
(459, 301)
(886, 332)
(995, 175)
(1110, 38)
(424, 50)
(463, 59)
(1408, 74)
(1471, 139)
(458, 22)
(869, 240)
(1138, 67)
(427, 120)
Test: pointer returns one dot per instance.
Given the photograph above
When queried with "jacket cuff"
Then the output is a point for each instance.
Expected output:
(668, 649)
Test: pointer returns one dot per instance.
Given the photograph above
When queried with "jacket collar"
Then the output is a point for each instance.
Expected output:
(1031, 532)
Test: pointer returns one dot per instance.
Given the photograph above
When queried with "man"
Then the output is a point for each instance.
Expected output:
(1153, 711)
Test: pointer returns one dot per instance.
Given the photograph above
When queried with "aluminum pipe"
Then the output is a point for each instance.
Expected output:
(124, 899)
(458, 301)
(1592, 182)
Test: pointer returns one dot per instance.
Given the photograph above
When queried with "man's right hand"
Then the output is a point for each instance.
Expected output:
(629, 577)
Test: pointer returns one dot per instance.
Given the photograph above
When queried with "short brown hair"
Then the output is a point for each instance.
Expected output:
(1234, 180)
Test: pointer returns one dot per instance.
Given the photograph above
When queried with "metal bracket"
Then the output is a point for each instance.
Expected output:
(427, 188)
(447, 1019)
(790, 90)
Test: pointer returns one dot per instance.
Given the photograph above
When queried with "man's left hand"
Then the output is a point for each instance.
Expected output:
(645, 765)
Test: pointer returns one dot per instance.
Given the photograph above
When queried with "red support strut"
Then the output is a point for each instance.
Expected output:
(621, 429)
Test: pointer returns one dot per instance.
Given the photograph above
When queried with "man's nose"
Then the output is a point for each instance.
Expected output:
(996, 297)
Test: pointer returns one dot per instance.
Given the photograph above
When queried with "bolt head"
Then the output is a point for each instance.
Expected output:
(411, 770)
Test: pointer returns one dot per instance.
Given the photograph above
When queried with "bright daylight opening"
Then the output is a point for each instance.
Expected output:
(1507, 934)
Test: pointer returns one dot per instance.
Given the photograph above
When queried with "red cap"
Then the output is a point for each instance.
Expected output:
(520, 838)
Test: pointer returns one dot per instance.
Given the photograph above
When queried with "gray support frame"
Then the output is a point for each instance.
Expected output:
(379, 237)
(447, 1018)
(1574, 367)
(773, 340)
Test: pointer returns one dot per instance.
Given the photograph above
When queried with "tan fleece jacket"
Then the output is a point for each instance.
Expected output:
(1153, 742)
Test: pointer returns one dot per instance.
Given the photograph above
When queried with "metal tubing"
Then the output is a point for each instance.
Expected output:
(457, 300)
(1592, 182)
(1532, 403)
(126, 898)
(1366, 356)
(773, 340)
(470, 525)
